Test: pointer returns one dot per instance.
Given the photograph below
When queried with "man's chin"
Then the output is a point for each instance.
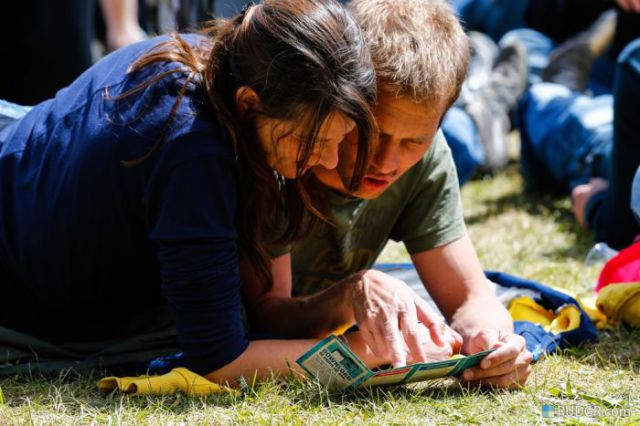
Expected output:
(369, 190)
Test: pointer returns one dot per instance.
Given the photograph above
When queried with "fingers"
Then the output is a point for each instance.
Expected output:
(457, 341)
(506, 352)
(435, 352)
(431, 320)
(391, 334)
(508, 366)
(478, 373)
(412, 333)
(512, 346)
(372, 337)
(483, 340)
(453, 340)
(390, 314)
(513, 380)
(375, 343)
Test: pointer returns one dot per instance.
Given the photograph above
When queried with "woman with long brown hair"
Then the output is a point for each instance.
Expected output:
(160, 167)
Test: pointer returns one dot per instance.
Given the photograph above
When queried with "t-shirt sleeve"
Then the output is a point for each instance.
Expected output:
(433, 215)
(191, 218)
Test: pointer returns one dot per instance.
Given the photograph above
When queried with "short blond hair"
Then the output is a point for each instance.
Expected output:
(418, 47)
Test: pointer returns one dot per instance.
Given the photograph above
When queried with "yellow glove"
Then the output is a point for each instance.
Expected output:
(621, 302)
(177, 380)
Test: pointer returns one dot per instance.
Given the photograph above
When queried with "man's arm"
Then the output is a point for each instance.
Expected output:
(454, 278)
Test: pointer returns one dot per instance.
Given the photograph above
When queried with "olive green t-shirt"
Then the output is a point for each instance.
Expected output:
(421, 209)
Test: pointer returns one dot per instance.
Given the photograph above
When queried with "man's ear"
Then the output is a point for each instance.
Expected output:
(246, 99)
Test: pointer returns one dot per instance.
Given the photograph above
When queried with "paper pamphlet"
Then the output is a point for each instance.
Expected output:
(337, 367)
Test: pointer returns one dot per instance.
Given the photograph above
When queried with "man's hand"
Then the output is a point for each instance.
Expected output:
(396, 323)
(507, 367)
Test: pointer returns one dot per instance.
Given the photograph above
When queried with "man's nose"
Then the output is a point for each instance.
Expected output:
(386, 158)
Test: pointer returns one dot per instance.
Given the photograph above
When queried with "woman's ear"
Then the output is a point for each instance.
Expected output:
(246, 99)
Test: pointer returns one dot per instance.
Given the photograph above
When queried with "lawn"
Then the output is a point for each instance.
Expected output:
(531, 236)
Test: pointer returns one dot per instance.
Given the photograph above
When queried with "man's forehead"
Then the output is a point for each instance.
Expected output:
(404, 119)
(403, 106)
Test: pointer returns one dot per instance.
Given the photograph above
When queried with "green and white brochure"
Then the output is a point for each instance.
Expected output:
(337, 367)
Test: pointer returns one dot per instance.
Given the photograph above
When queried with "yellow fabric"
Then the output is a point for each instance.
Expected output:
(621, 302)
(567, 318)
(177, 380)
(588, 304)
(526, 309)
(597, 317)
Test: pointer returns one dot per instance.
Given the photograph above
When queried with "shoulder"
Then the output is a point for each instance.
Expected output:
(127, 84)
(165, 101)
(116, 66)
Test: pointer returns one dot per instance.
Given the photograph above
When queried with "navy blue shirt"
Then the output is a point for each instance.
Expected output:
(94, 241)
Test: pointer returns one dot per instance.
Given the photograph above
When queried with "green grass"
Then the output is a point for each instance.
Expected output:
(530, 236)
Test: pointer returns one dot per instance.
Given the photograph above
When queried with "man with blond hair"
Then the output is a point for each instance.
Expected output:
(410, 194)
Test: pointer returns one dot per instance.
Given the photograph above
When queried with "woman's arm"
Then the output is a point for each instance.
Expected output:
(264, 358)
(328, 311)
(193, 226)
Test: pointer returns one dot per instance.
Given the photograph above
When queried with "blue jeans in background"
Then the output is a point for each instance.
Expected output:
(568, 138)
(463, 139)
(492, 17)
